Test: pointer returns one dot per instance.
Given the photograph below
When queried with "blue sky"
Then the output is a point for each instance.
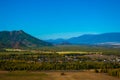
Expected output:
(48, 19)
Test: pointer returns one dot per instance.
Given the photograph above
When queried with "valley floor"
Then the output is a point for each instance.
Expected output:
(83, 75)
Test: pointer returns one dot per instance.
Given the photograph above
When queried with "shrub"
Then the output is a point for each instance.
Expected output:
(96, 70)
(62, 73)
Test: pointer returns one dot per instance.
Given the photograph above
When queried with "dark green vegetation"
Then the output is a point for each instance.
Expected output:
(111, 72)
(35, 60)
(19, 39)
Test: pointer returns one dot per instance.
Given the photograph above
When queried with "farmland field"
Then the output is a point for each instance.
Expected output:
(83, 75)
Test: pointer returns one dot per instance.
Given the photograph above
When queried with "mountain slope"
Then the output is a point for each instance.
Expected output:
(19, 39)
(94, 39)
(56, 41)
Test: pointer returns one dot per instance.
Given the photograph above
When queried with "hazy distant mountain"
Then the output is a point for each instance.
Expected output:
(105, 38)
(56, 41)
(19, 39)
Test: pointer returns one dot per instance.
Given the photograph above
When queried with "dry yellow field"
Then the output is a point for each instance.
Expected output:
(86, 75)
(77, 52)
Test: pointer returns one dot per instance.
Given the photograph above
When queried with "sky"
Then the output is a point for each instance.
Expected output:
(51, 19)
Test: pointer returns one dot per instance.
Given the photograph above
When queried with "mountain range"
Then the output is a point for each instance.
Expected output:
(20, 39)
(91, 39)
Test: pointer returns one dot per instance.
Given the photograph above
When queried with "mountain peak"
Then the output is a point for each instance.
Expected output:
(21, 31)
(20, 39)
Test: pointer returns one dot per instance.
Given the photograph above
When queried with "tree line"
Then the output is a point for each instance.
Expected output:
(48, 62)
(23, 65)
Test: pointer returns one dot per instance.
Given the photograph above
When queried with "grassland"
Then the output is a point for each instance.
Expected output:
(85, 75)
(59, 58)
